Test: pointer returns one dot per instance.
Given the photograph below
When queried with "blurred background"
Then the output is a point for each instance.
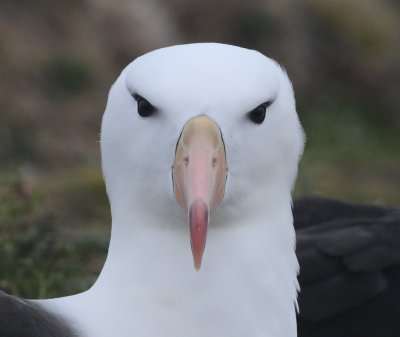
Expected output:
(58, 60)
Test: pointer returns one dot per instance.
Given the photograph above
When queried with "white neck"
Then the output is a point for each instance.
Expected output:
(245, 287)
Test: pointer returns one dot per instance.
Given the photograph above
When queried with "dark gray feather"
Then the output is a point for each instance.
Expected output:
(349, 259)
(23, 318)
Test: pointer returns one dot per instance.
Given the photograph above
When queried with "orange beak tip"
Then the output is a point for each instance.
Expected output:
(198, 220)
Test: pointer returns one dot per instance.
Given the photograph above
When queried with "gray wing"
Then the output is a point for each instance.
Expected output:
(22, 318)
(311, 210)
(349, 259)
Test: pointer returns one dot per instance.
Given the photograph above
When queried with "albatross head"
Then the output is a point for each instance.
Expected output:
(200, 145)
(200, 136)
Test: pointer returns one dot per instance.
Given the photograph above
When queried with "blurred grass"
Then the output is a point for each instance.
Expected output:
(39, 256)
(70, 75)
(349, 154)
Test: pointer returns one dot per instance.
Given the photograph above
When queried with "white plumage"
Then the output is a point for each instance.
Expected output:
(247, 282)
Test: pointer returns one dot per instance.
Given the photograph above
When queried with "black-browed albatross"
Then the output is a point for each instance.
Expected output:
(217, 118)
(200, 146)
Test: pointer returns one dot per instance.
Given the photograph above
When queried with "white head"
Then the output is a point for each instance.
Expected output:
(233, 87)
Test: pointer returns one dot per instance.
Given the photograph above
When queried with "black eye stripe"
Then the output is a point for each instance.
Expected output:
(257, 115)
(144, 107)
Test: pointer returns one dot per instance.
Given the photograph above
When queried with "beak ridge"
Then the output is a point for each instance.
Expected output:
(199, 176)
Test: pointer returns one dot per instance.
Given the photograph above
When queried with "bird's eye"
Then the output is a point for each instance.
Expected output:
(144, 107)
(257, 115)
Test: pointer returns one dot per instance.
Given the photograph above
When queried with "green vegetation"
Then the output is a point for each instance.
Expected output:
(350, 153)
(69, 74)
(37, 260)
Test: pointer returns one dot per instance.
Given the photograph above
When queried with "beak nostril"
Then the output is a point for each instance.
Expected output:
(186, 160)
(214, 162)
